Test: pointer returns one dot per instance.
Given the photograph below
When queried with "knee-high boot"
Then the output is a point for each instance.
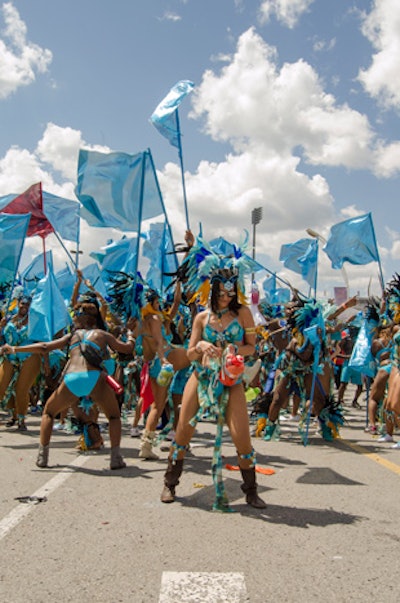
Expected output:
(249, 487)
(171, 479)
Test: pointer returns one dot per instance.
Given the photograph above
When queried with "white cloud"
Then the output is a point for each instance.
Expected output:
(19, 58)
(169, 16)
(252, 103)
(288, 12)
(382, 28)
(56, 154)
(324, 45)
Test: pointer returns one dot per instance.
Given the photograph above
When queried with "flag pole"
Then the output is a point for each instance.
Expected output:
(71, 259)
(381, 279)
(178, 129)
(44, 255)
(316, 269)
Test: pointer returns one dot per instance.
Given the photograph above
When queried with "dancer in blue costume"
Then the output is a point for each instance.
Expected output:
(82, 377)
(226, 322)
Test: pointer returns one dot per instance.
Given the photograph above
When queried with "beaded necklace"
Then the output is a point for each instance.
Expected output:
(220, 314)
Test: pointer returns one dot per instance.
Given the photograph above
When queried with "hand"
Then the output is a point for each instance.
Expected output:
(189, 238)
(6, 349)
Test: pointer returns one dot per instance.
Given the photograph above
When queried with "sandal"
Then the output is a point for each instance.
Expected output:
(355, 404)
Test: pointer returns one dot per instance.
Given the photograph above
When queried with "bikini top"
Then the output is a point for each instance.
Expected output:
(385, 350)
(103, 360)
(139, 339)
(232, 333)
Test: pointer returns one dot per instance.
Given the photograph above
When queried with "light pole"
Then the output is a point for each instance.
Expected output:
(316, 235)
(256, 217)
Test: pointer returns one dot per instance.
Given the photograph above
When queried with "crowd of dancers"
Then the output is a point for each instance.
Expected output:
(197, 351)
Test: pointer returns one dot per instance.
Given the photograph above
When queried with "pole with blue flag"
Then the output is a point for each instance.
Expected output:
(166, 119)
(13, 231)
(354, 241)
(312, 334)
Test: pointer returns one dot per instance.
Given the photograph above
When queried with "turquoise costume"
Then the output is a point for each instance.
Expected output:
(213, 399)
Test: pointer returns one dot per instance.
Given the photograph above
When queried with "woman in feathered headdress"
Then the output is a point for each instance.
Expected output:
(222, 334)
(305, 361)
(381, 351)
(392, 402)
(161, 359)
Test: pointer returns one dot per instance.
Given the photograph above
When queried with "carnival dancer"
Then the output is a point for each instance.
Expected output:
(392, 402)
(18, 371)
(381, 350)
(84, 378)
(313, 379)
(227, 327)
(161, 359)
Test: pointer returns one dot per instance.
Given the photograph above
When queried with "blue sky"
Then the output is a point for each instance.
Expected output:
(296, 109)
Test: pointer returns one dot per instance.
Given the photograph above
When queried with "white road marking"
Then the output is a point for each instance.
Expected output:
(23, 509)
(188, 587)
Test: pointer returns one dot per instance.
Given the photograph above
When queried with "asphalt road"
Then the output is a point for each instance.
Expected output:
(330, 532)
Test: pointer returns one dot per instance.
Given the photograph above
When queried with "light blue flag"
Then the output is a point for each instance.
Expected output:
(301, 257)
(352, 241)
(48, 313)
(164, 117)
(361, 359)
(65, 282)
(63, 215)
(269, 287)
(6, 199)
(157, 249)
(36, 271)
(227, 249)
(13, 229)
(273, 294)
(93, 274)
(118, 256)
(118, 190)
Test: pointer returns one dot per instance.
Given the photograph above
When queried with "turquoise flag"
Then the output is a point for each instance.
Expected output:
(118, 190)
(352, 241)
(164, 117)
(63, 215)
(118, 256)
(301, 257)
(158, 248)
(65, 282)
(48, 313)
(36, 271)
(94, 275)
(361, 359)
(13, 229)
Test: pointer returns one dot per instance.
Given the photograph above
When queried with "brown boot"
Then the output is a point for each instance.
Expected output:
(249, 487)
(171, 479)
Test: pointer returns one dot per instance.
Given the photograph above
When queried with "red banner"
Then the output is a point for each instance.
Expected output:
(31, 202)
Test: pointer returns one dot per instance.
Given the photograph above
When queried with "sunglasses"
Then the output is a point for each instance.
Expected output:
(228, 293)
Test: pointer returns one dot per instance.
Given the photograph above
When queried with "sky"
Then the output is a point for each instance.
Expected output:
(295, 109)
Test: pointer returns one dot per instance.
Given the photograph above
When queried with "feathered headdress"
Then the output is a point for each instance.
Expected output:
(306, 314)
(127, 296)
(393, 298)
(203, 266)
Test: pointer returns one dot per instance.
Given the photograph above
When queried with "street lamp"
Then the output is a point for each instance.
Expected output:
(256, 217)
(316, 235)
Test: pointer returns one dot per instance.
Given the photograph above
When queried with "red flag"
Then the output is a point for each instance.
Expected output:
(31, 202)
